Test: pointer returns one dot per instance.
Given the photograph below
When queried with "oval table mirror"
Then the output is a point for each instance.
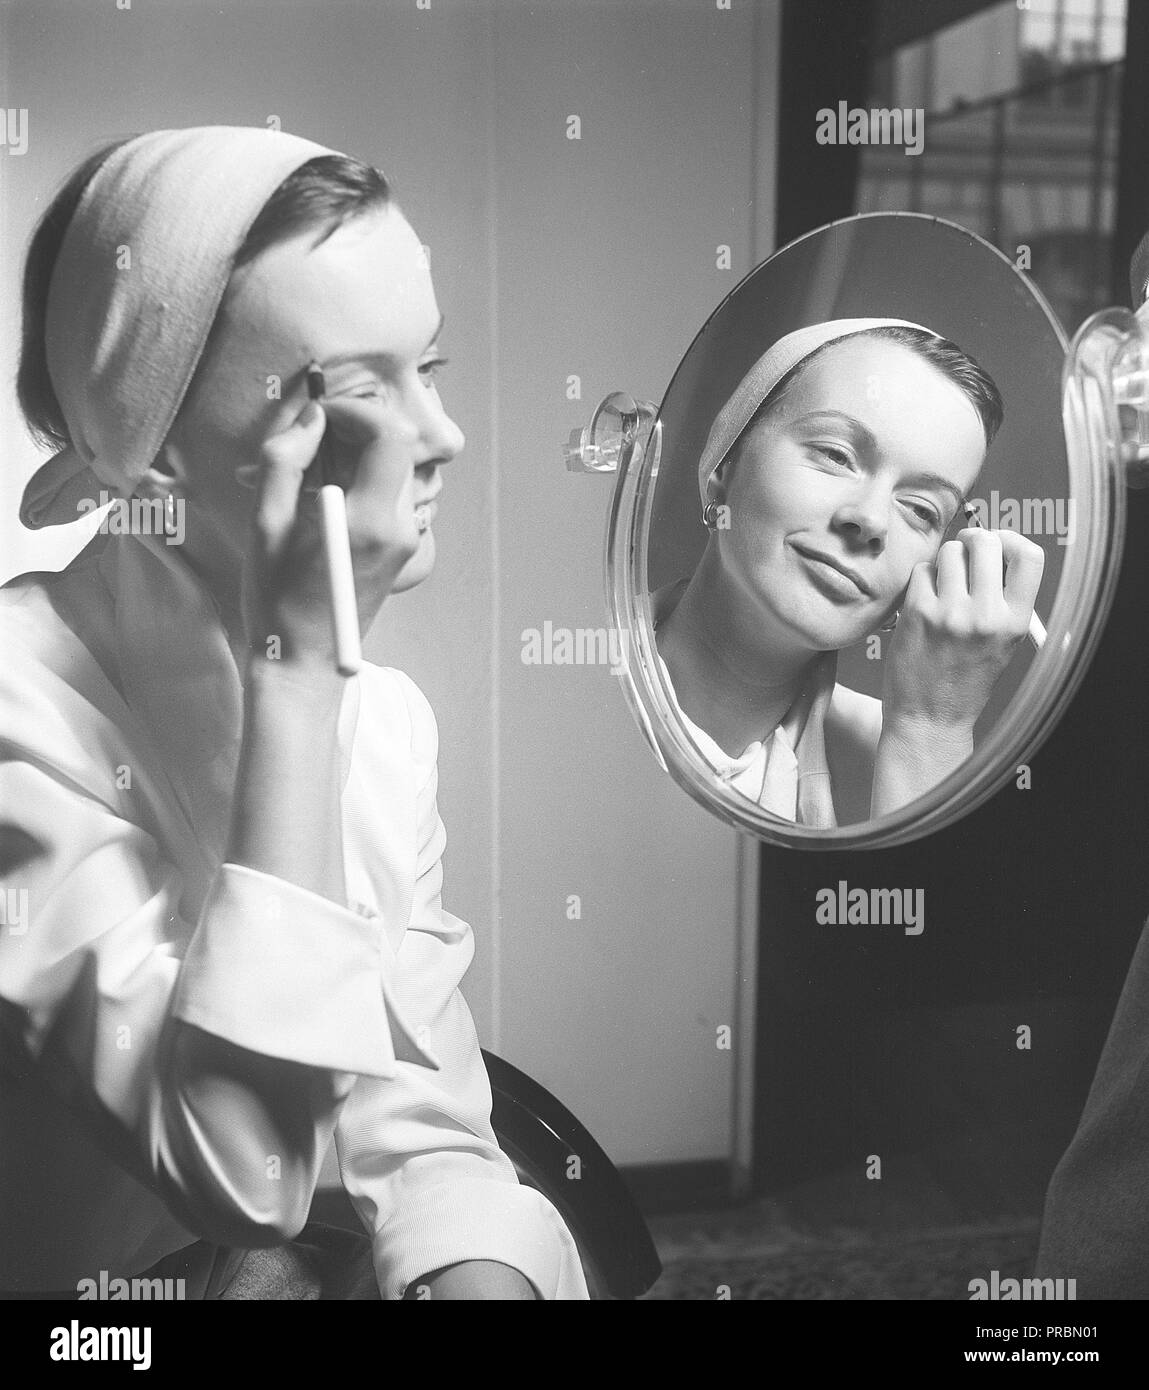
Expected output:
(856, 573)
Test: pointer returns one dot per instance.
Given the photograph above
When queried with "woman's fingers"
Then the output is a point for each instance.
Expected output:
(379, 480)
(986, 573)
(379, 446)
(952, 580)
(286, 458)
(1005, 571)
(371, 456)
(990, 577)
(1025, 564)
(970, 566)
(984, 578)
(921, 590)
(957, 640)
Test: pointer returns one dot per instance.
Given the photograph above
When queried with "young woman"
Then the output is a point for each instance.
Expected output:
(828, 482)
(230, 856)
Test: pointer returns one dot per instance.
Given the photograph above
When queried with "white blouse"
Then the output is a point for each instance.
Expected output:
(766, 771)
(788, 771)
(124, 1133)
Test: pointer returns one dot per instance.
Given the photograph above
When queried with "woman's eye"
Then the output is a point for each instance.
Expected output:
(925, 514)
(841, 458)
(428, 371)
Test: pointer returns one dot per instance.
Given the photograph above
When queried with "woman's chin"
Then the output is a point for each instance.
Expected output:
(798, 612)
(418, 567)
(832, 637)
(822, 632)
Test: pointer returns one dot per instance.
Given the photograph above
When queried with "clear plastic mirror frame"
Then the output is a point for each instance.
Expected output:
(1076, 619)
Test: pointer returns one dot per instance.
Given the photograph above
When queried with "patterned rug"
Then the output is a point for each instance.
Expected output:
(908, 1265)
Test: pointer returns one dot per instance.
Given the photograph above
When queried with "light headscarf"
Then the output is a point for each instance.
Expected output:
(766, 373)
(140, 275)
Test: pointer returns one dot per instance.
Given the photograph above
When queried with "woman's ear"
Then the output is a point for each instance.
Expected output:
(715, 512)
(719, 482)
(167, 475)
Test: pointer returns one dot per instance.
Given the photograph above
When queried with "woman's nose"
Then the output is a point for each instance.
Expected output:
(863, 520)
(453, 439)
(442, 438)
(439, 437)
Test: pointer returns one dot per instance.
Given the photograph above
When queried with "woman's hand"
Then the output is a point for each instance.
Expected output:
(286, 817)
(959, 625)
(285, 593)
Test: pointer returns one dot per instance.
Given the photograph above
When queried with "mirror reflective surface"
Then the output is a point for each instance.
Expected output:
(856, 570)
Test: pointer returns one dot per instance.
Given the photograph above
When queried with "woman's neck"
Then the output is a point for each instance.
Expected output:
(728, 678)
(219, 569)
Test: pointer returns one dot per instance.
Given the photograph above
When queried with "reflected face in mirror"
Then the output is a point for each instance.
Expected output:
(838, 550)
(849, 476)
(831, 478)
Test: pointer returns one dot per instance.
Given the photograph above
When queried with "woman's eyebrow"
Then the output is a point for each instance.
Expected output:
(434, 338)
(935, 480)
(387, 358)
(839, 417)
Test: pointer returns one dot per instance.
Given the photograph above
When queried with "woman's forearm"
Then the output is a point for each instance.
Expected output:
(912, 758)
(245, 1134)
(241, 1135)
(286, 818)
(472, 1280)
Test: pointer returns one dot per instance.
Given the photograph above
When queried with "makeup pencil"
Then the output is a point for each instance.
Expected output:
(1037, 632)
(337, 552)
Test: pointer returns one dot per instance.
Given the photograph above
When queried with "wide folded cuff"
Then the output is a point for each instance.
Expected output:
(287, 973)
(479, 1219)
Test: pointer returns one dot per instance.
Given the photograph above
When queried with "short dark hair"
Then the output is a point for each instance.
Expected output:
(954, 364)
(322, 194)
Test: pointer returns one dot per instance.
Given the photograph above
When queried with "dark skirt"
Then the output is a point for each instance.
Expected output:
(323, 1262)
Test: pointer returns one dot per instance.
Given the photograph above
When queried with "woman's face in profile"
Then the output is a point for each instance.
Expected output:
(836, 493)
(361, 304)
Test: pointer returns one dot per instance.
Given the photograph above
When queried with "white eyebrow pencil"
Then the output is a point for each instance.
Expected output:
(337, 553)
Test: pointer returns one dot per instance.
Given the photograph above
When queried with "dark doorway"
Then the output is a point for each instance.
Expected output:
(906, 1048)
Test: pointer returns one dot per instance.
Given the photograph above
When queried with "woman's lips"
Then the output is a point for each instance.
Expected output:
(425, 512)
(838, 581)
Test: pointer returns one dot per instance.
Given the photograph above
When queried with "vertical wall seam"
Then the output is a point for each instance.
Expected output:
(748, 851)
(496, 901)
